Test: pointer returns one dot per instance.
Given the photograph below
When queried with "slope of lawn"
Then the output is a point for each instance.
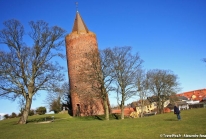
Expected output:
(193, 122)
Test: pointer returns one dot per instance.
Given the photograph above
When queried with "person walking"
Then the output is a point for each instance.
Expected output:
(177, 112)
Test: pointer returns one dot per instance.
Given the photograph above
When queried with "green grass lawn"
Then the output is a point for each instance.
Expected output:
(193, 122)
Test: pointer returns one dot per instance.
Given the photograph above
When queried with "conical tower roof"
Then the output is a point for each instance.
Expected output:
(79, 24)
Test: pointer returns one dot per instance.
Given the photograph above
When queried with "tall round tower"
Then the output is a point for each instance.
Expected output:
(79, 43)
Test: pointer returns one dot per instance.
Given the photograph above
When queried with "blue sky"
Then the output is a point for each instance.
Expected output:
(168, 34)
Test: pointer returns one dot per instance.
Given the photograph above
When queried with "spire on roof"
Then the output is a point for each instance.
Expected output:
(76, 6)
(79, 24)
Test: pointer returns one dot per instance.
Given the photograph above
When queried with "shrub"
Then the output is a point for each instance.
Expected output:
(20, 114)
(13, 115)
(56, 105)
(41, 110)
(6, 116)
(31, 112)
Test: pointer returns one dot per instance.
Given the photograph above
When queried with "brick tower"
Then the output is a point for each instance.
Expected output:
(79, 43)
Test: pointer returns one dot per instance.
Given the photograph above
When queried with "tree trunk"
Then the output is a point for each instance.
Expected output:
(108, 104)
(25, 114)
(162, 107)
(142, 108)
(105, 103)
(159, 105)
(106, 108)
(122, 103)
(122, 110)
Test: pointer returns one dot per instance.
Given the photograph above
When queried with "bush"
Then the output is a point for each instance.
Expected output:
(20, 114)
(6, 116)
(41, 110)
(13, 115)
(56, 105)
(31, 112)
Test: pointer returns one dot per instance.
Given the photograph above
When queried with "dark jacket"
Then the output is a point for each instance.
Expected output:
(176, 110)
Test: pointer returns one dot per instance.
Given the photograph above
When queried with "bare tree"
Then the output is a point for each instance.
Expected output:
(21, 103)
(106, 79)
(97, 71)
(125, 66)
(162, 83)
(142, 88)
(173, 98)
(25, 70)
(58, 97)
(66, 98)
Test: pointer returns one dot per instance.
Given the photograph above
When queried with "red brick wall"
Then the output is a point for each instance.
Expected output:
(77, 45)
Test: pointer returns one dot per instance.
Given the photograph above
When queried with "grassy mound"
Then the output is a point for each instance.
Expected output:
(64, 126)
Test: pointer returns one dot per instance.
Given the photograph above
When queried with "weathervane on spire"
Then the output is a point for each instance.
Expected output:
(76, 6)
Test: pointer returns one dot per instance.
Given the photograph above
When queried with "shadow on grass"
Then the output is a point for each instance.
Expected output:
(115, 116)
(90, 118)
(35, 120)
(170, 119)
(41, 119)
(97, 117)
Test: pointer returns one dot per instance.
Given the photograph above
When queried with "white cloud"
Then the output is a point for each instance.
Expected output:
(2, 116)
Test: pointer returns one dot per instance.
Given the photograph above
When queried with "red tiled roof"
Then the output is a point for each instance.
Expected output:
(194, 95)
(127, 111)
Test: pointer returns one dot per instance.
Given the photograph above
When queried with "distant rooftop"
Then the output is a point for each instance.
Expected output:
(194, 95)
